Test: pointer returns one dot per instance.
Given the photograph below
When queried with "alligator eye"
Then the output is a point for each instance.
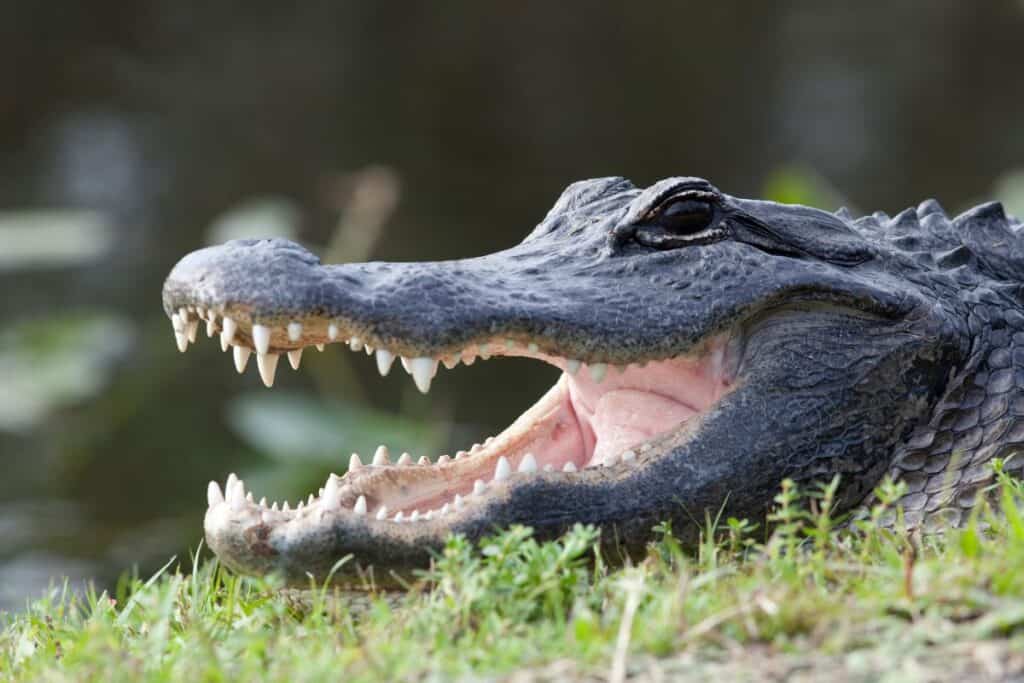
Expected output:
(680, 221)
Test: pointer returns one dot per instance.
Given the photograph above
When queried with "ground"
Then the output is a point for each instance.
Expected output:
(809, 602)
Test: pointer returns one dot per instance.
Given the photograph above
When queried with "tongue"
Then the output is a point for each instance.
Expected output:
(624, 418)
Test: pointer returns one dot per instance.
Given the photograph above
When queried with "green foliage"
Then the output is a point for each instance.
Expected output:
(818, 592)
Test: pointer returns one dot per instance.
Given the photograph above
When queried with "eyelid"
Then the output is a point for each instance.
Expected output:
(661, 203)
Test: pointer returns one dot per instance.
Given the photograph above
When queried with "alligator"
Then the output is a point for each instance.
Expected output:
(710, 347)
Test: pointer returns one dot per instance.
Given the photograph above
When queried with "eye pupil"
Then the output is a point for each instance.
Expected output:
(686, 216)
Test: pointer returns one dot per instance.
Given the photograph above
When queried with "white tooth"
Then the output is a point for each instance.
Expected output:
(211, 326)
(236, 496)
(354, 463)
(445, 509)
(458, 502)
(572, 366)
(294, 358)
(382, 514)
(294, 331)
(332, 331)
(382, 456)
(241, 358)
(484, 351)
(249, 497)
(320, 492)
(488, 440)
(355, 344)
(405, 459)
(548, 468)
(274, 506)
(301, 505)
(263, 502)
(415, 517)
(368, 349)
(479, 487)
(181, 339)
(407, 364)
(532, 347)
(444, 459)
(569, 467)
(190, 330)
(231, 481)
(261, 338)
(429, 516)
(468, 358)
(201, 312)
(629, 456)
(460, 455)
(644, 448)
(319, 347)
(227, 333)
(610, 460)
(424, 460)
(528, 463)
(213, 494)
(177, 323)
(309, 501)
(329, 498)
(267, 363)
(360, 507)
(384, 360)
(598, 371)
(476, 448)
(398, 517)
(423, 370)
(285, 508)
(450, 361)
(503, 470)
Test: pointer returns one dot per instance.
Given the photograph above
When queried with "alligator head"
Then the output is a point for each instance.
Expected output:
(711, 346)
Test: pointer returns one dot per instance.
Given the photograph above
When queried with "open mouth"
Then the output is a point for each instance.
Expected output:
(596, 415)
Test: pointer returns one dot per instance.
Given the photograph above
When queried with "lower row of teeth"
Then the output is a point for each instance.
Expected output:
(236, 498)
(422, 369)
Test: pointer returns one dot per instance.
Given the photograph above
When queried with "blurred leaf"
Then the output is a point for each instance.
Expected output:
(800, 185)
(1010, 191)
(291, 426)
(54, 237)
(256, 218)
(51, 362)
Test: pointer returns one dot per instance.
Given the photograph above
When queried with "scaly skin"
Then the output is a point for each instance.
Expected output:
(810, 344)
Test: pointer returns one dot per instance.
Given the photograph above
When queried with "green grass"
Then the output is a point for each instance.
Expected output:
(852, 603)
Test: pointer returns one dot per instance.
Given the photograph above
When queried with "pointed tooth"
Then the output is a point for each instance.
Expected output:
(398, 517)
(548, 468)
(415, 516)
(183, 314)
(569, 467)
(267, 363)
(503, 470)
(294, 331)
(360, 507)
(488, 440)
(231, 481)
(382, 456)
(273, 506)
(227, 333)
(629, 456)
(450, 361)
(309, 501)
(382, 514)
(528, 463)
(459, 455)
(458, 502)
(191, 329)
(329, 498)
(445, 509)
(468, 358)
(479, 487)
(263, 502)
(211, 326)
(423, 370)
(368, 349)
(598, 371)
(405, 459)
(285, 508)
(429, 516)
(181, 339)
(294, 358)
(332, 331)
(444, 459)
(355, 343)
(384, 360)
(236, 496)
(213, 494)
(354, 463)
(201, 312)
(407, 364)
(301, 505)
(249, 497)
(424, 460)
(572, 366)
(241, 358)
(319, 347)
(177, 323)
(261, 338)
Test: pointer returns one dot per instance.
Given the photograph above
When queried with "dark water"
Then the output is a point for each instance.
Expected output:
(154, 127)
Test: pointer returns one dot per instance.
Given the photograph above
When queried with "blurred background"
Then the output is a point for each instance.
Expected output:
(134, 132)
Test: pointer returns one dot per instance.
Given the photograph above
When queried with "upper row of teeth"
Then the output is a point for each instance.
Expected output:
(423, 369)
(236, 497)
